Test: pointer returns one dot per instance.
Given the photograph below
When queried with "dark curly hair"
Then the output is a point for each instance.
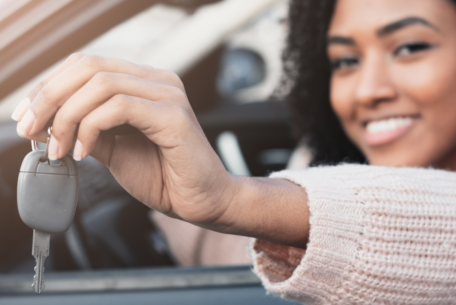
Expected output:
(307, 67)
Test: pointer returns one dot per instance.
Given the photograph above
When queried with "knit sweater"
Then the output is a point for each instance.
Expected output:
(378, 235)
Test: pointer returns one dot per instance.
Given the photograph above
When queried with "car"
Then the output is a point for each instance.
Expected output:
(113, 253)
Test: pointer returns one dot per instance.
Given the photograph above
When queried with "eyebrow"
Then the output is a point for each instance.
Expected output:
(384, 31)
(395, 26)
(340, 40)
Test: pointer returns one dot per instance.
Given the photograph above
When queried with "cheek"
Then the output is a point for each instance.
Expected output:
(431, 86)
(341, 99)
(431, 82)
(343, 105)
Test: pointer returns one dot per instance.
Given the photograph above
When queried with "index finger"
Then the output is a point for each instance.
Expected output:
(52, 96)
(21, 109)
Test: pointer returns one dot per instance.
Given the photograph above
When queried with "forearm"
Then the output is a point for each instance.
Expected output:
(270, 209)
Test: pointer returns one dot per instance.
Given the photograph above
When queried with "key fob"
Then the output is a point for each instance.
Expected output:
(47, 194)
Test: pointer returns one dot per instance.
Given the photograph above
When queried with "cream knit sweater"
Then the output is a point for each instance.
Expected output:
(378, 235)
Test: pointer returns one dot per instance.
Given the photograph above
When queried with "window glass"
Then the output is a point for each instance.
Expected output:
(145, 38)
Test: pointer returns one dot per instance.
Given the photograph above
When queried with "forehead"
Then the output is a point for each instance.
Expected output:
(355, 15)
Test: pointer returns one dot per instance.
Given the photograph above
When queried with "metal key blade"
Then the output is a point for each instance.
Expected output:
(40, 251)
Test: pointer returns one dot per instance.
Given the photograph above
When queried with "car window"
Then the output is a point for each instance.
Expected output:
(145, 38)
(131, 40)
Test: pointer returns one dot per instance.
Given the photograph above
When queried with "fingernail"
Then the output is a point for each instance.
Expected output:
(53, 150)
(20, 109)
(77, 151)
(26, 123)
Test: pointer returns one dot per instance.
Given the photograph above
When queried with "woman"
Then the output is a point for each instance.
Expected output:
(347, 234)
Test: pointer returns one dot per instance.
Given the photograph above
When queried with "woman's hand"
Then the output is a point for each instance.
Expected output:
(170, 167)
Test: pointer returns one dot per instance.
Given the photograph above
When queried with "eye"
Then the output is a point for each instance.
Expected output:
(411, 48)
(344, 62)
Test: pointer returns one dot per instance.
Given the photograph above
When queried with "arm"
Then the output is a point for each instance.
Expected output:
(171, 167)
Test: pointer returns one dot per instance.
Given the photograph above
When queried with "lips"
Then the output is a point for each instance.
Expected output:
(383, 131)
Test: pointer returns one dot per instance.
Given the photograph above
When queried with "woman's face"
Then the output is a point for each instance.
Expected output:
(393, 84)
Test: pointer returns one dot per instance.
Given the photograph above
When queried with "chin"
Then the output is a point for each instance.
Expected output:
(406, 152)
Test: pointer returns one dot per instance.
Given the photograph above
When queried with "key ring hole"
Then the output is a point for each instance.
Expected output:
(45, 157)
(51, 163)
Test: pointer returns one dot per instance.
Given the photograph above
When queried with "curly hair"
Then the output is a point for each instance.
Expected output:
(307, 75)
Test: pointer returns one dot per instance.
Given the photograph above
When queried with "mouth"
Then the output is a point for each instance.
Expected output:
(379, 132)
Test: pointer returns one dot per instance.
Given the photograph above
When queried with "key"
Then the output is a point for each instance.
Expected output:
(40, 250)
(47, 194)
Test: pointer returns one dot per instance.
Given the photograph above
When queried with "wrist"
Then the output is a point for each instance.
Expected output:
(239, 199)
(270, 209)
(226, 219)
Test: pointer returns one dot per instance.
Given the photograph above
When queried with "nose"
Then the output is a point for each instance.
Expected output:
(375, 84)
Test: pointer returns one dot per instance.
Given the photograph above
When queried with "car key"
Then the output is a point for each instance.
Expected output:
(40, 250)
(46, 196)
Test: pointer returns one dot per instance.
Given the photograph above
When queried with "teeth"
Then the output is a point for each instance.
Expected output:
(388, 124)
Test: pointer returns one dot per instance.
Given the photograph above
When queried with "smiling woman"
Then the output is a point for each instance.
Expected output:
(391, 69)
(392, 85)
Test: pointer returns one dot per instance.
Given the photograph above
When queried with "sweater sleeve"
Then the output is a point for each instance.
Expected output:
(378, 235)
